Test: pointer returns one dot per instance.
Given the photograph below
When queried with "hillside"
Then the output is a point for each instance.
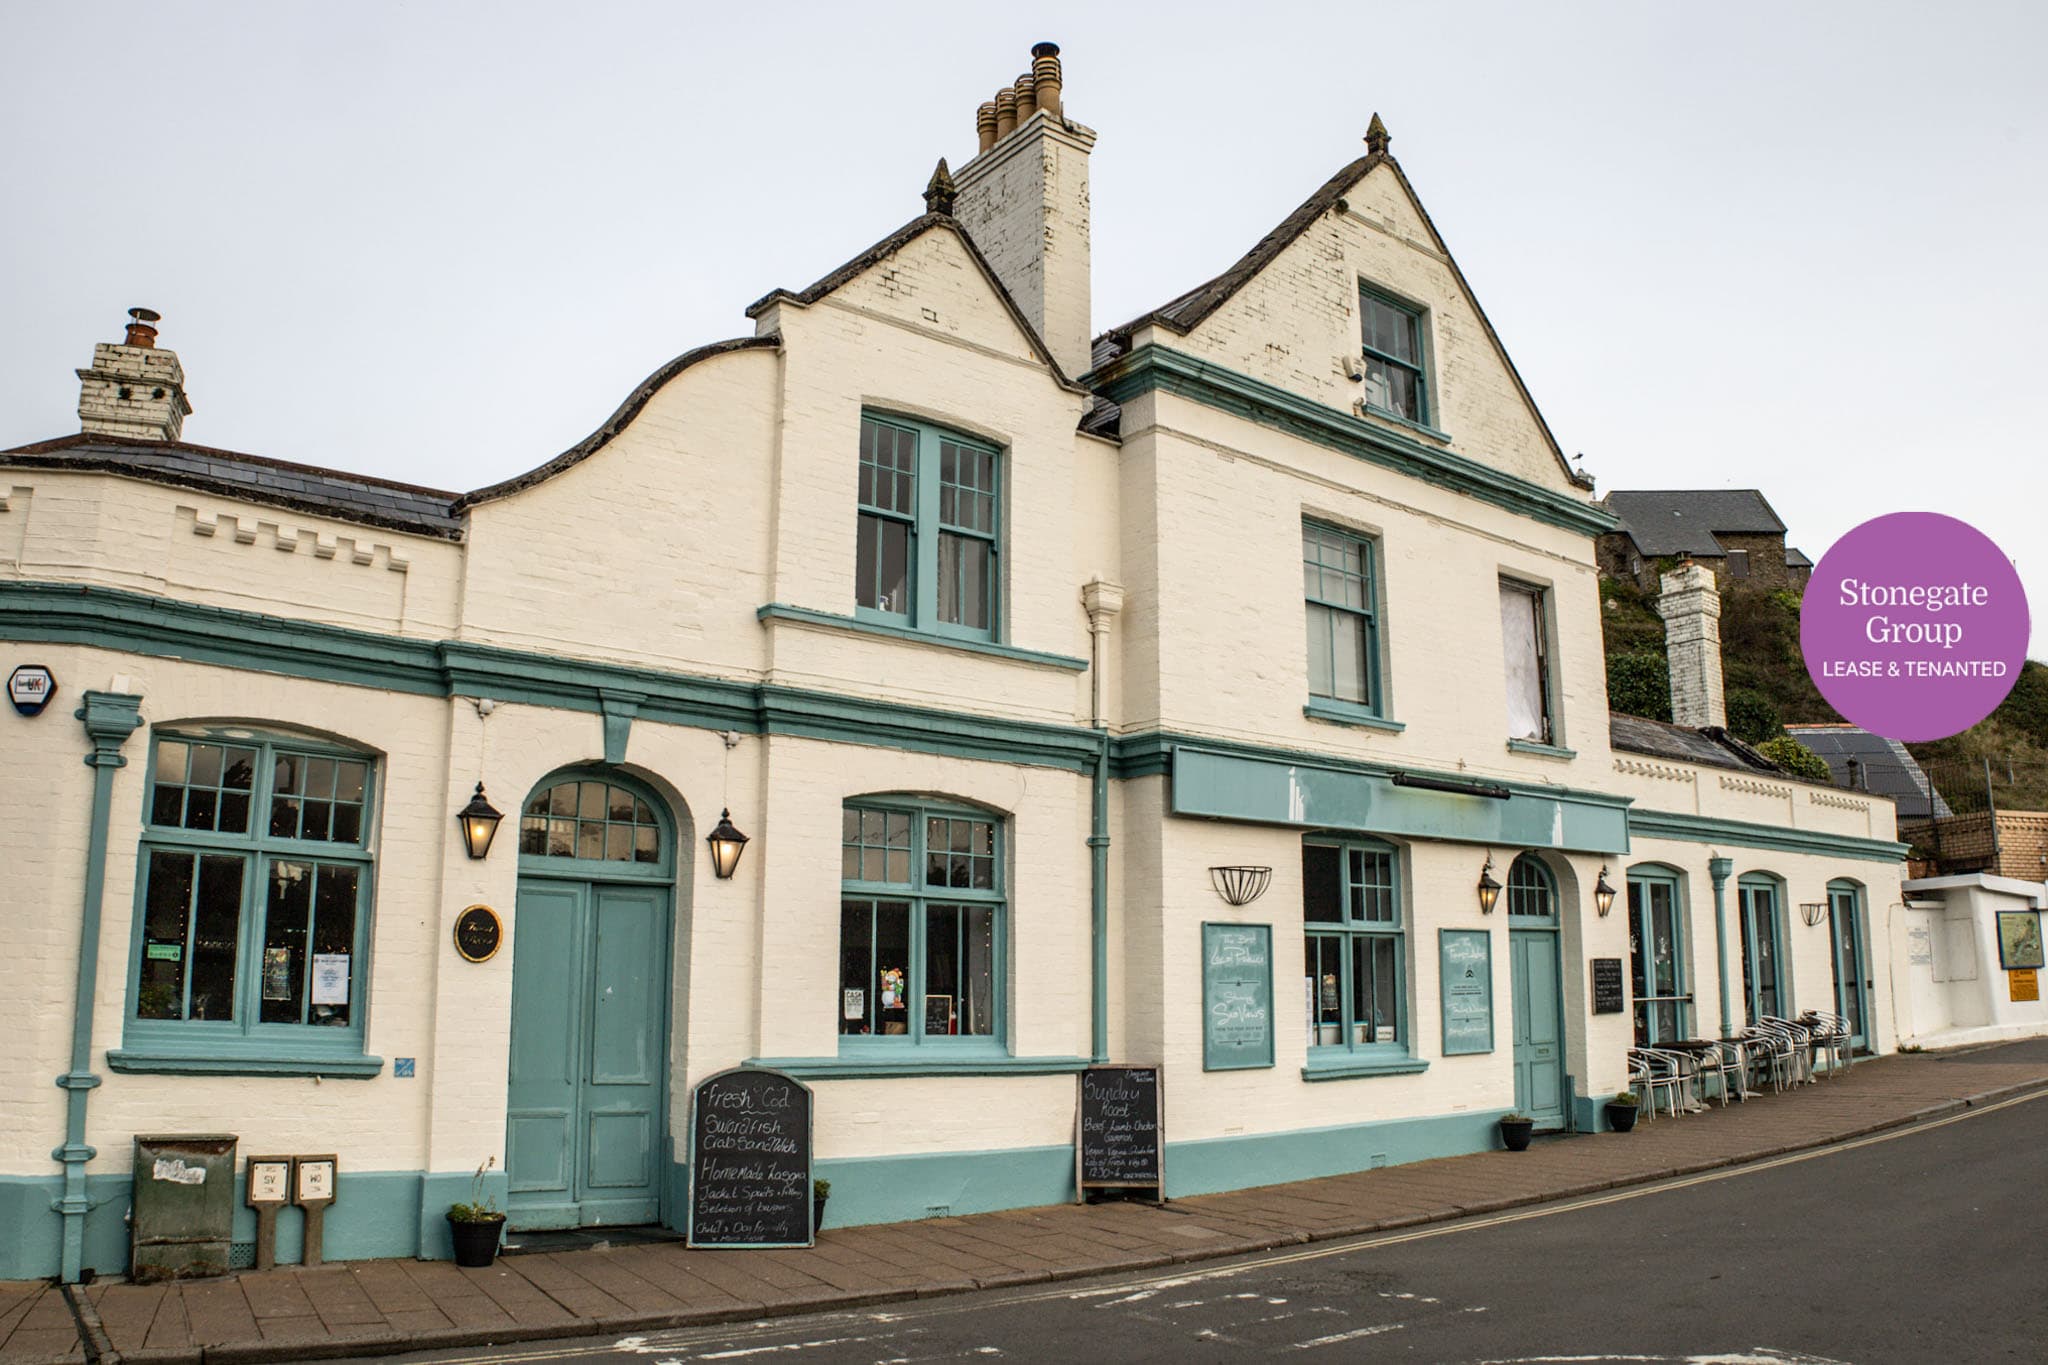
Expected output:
(1768, 688)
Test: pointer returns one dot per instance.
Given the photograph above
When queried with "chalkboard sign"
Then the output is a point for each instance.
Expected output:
(478, 933)
(750, 1161)
(1237, 996)
(1119, 1140)
(1465, 958)
(1608, 995)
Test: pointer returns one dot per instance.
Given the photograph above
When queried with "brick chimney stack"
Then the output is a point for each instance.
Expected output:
(133, 389)
(1691, 609)
(1024, 201)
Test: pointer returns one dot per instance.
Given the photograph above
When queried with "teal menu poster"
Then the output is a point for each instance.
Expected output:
(1467, 977)
(1237, 996)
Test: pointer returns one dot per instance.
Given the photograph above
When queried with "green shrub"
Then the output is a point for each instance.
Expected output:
(1795, 758)
(1751, 716)
(1639, 684)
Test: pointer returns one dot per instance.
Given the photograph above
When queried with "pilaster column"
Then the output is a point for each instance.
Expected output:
(1720, 869)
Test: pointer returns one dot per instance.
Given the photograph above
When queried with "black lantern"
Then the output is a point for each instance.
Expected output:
(479, 820)
(1603, 894)
(1489, 889)
(727, 844)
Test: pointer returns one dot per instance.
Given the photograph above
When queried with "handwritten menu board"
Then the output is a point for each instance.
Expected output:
(750, 1161)
(1608, 995)
(1237, 996)
(1120, 1141)
(1466, 971)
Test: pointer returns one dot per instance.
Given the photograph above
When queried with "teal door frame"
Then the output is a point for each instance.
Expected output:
(1525, 1007)
(1845, 900)
(595, 875)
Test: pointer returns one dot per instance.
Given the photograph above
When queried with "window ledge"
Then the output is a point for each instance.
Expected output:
(1530, 746)
(1398, 420)
(919, 1062)
(825, 620)
(1349, 713)
(167, 1062)
(1354, 1064)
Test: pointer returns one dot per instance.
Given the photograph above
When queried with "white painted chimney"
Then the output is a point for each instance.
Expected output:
(1024, 201)
(133, 389)
(1691, 608)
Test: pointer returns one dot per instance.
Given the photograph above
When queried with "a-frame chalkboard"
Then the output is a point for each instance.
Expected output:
(750, 1161)
(1119, 1131)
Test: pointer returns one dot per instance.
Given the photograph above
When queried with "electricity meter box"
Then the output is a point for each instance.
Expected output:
(184, 1210)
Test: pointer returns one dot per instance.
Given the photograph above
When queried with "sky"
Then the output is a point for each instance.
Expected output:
(1790, 247)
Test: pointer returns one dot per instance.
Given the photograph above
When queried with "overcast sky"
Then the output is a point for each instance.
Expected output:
(1791, 246)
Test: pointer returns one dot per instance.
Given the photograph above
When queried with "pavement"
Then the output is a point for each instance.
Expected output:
(373, 1307)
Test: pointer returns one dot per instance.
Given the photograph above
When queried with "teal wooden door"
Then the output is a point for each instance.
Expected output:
(584, 1123)
(1539, 1026)
(1851, 961)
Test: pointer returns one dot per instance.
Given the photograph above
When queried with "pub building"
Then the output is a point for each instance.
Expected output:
(1221, 692)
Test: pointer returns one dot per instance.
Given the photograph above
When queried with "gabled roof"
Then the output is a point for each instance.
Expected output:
(1183, 314)
(1711, 746)
(1884, 767)
(1683, 521)
(895, 242)
(1795, 558)
(299, 487)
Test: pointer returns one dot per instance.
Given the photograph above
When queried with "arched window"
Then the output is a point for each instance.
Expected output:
(252, 925)
(591, 820)
(1532, 891)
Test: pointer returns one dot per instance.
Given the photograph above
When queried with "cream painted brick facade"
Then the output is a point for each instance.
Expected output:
(696, 563)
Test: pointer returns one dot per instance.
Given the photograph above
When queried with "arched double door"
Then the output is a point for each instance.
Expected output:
(586, 1131)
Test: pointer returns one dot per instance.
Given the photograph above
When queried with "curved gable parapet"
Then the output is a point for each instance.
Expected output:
(637, 400)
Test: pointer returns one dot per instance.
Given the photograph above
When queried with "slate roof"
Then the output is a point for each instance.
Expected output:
(302, 488)
(1711, 746)
(1886, 768)
(1682, 521)
(1795, 558)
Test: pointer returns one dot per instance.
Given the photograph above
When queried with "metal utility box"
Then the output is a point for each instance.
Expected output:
(184, 1212)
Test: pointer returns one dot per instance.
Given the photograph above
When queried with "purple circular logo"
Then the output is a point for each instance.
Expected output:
(1914, 626)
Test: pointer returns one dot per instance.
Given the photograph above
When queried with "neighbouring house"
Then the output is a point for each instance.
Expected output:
(1085, 698)
(1862, 761)
(1732, 531)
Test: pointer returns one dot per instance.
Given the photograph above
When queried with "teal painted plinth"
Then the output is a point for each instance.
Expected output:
(1213, 1165)
(435, 1191)
(896, 1189)
(32, 1232)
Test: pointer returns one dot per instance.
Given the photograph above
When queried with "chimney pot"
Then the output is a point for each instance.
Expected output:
(1045, 71)
(985, 124)
(140, 331)
(1006, 112)
(1027, 97)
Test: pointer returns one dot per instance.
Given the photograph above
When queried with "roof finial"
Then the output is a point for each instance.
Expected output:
(938, 193)
(1376, 138)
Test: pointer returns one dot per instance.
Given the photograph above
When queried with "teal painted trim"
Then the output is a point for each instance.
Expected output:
(109, 718)
(1530, 746)
(897, 1189)
(1213, 1165)
(1154, 367)
(1350, 1064)
(1420, 428)
(926, 1061)
(619, 708)
(1349, 713)
(1213, 783)
(1719, 869)
(1098, 906)
(144, 1062)
(825, 620)
(110, 618)
(32, 1212)
(1700, 829)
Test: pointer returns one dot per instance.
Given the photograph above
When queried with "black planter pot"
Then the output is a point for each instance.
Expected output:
(1516, 1132)
(476, 1242)
(818, 1210)
(1621, 1117)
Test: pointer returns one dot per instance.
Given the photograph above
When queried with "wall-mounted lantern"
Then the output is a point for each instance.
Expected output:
(1240, 885)
(479, 820)
(727, 844)
(1603, 894)
(1489, 889)
(1813, 912)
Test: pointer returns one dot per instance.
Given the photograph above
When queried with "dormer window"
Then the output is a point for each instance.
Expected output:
(1395, 380)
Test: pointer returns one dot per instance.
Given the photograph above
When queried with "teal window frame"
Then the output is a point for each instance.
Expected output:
(934, 522)
(1752, 918)
(1532, 892)
(921, 894)
(245, 1043)
(1321, 605)
(1550, 732)
(1643, 882)
(1417, 366)
(1371, 910)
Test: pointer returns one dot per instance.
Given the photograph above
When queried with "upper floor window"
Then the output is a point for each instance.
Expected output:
(1525, 632)
(1395, 378)
(921, 927)
(1351, 913)
(1343, 635)
(930, 527)
(255, 897)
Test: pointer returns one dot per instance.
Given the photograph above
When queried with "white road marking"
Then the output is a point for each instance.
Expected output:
(1352, 1335)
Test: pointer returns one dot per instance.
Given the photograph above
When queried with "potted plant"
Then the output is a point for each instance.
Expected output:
(821, 1190)
(478, 1225)
(1621, 1111)
(1515, 1130)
